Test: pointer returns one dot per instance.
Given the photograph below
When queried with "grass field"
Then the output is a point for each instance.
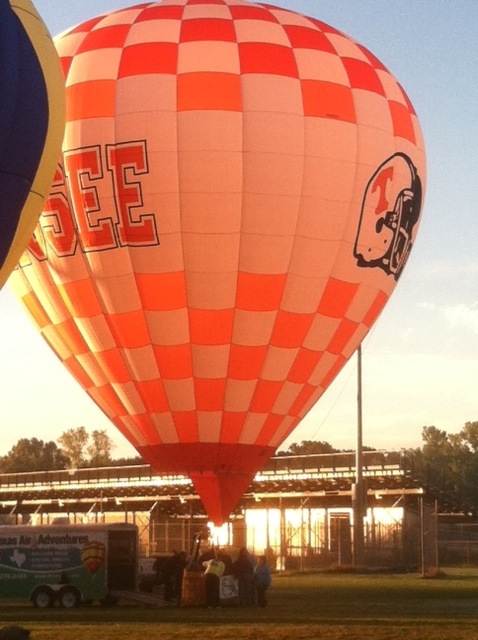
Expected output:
(332, 606)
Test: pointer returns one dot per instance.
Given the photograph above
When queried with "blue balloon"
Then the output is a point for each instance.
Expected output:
(31, 125)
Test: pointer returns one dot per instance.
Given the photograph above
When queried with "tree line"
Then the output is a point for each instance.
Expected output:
(446, 463)
(74, 449)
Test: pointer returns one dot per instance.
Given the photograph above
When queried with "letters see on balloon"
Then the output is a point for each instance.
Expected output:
(90, 172)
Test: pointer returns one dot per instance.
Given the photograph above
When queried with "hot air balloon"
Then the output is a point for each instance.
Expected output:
(31, 125)
(239, 191)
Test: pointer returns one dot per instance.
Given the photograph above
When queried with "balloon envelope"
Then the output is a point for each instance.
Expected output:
(31, 125)
(239, 191)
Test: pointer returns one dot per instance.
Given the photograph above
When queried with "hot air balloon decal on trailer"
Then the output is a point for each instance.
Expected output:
(93, 556)
(240, 188)
(31, 125)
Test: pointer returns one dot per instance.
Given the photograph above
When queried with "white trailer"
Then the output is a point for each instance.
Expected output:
(68, 564)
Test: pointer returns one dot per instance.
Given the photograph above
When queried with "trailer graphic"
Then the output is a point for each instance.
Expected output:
(70, 564)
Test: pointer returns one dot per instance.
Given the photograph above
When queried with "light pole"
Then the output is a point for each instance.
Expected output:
(358, 488)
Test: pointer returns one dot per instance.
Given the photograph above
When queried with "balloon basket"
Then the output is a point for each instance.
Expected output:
(193, 592)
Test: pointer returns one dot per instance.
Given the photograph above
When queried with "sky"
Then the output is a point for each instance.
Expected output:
(420, 361)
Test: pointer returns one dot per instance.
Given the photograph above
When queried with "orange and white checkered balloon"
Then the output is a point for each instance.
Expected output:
(240, 190)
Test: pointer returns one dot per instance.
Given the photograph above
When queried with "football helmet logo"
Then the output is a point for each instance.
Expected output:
(390, 210)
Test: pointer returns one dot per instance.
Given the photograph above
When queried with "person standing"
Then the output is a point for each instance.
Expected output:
(213, 572)
(263, 581)
(243, 569)
(172, 574)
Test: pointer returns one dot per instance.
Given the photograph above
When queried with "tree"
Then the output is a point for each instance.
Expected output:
(469, 444)
(74, 443)
(448, 463)
(437, 444)
(308, 447)
(84, 449)
(469, 434)
(33, 455)
(100, 449)
(128, 462)
(432, 461)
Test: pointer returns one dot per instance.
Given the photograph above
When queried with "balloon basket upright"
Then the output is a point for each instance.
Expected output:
(193, 592)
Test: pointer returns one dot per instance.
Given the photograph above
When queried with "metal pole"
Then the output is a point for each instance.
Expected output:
(358, 487)
(422, 537)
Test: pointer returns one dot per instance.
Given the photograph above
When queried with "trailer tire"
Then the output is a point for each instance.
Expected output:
(43, 598)
(69, 597)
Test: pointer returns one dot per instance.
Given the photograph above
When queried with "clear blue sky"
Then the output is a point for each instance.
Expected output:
(420, 363)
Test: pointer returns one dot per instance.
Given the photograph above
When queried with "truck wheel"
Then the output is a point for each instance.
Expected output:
(43, 598)
(69, 598)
